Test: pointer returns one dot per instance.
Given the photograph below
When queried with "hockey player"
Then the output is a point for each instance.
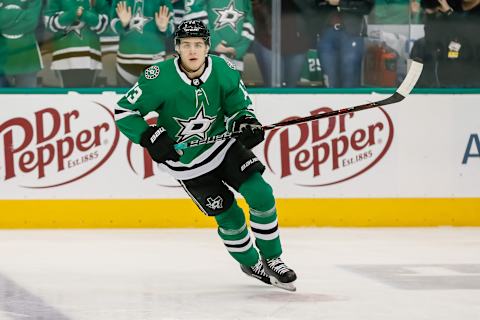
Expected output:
(197, 95)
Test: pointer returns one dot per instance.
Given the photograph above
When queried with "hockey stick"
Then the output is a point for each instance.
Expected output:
(403, 90)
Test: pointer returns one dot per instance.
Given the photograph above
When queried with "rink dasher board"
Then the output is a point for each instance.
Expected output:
(412, 163)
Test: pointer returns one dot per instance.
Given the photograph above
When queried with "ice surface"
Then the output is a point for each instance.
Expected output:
(143, 274)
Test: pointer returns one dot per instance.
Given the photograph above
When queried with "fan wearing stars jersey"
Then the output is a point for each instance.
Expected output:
(76, 25)
(231, 23)
(196, 96)
(18, 22)
(143, 27)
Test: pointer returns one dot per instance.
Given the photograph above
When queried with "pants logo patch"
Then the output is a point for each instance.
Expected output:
(215, 204)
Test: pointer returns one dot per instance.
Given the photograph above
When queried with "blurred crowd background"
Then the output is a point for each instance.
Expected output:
(274, 43)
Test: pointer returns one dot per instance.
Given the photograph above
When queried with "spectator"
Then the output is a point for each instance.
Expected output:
(76, 26)
(143, 27)
(472, 9)
(22, 59)
(230, 23)
(447, 49)
(340, 40)
(295, 40)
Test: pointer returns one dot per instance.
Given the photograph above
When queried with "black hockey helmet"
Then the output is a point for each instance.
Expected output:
(192, 29)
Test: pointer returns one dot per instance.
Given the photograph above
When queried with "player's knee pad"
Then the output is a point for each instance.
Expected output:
(231, 220)
(258, 193)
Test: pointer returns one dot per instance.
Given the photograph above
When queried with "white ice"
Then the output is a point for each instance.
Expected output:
(147, 274)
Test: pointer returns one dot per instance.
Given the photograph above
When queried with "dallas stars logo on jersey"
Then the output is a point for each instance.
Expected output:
(76, 28)
(138, 20)
(228, 16)
(196, 126)
(200, 123)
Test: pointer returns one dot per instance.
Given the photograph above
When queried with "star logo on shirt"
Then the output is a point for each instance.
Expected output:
(228, 16)
(196, 126)
(138, 20)
(76, 28)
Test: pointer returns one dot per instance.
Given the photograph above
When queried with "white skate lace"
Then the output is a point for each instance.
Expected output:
(278, 266)
(258, 269)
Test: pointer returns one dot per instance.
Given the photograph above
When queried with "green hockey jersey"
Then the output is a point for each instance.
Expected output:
(109, 39)
(230, 22)
(141, 42)
(312, 71)
(18, 22)
(178, 12)
(189, 109)
(76, 44)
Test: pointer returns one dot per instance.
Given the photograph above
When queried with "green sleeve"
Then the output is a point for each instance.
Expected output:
(67, 18)
(6, 19)
(90, 17)
(140, 100)
(196, 10)
(247, 33)
(236, 101)
(96, 18)
(59, 15)
(25, 21)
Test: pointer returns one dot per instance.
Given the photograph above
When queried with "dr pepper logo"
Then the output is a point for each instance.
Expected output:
(53, 146)
(329, 151)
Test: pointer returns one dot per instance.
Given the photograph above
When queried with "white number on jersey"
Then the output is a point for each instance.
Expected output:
(134, 93)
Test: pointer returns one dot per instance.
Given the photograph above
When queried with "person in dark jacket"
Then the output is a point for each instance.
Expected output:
(450, 49)
(295, 40)
(341, 28)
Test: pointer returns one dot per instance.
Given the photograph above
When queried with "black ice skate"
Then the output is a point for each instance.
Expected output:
(280, 275)
(257, 271)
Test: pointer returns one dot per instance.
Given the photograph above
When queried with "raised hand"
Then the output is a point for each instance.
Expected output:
(124, 13)
(162, 17)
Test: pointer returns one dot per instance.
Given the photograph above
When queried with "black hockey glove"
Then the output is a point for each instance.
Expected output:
(251, 132)
(159, 144)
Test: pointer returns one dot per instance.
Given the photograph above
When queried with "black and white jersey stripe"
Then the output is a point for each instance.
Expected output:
(53, 24)
(178, 16)
(101, 25)
(121, 113)
(206, 162)
(146, 59)
(201, 15)
(240, 245)
(267, 231)
(248, 31)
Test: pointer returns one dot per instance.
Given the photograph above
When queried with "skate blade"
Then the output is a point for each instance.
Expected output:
(285, 286)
